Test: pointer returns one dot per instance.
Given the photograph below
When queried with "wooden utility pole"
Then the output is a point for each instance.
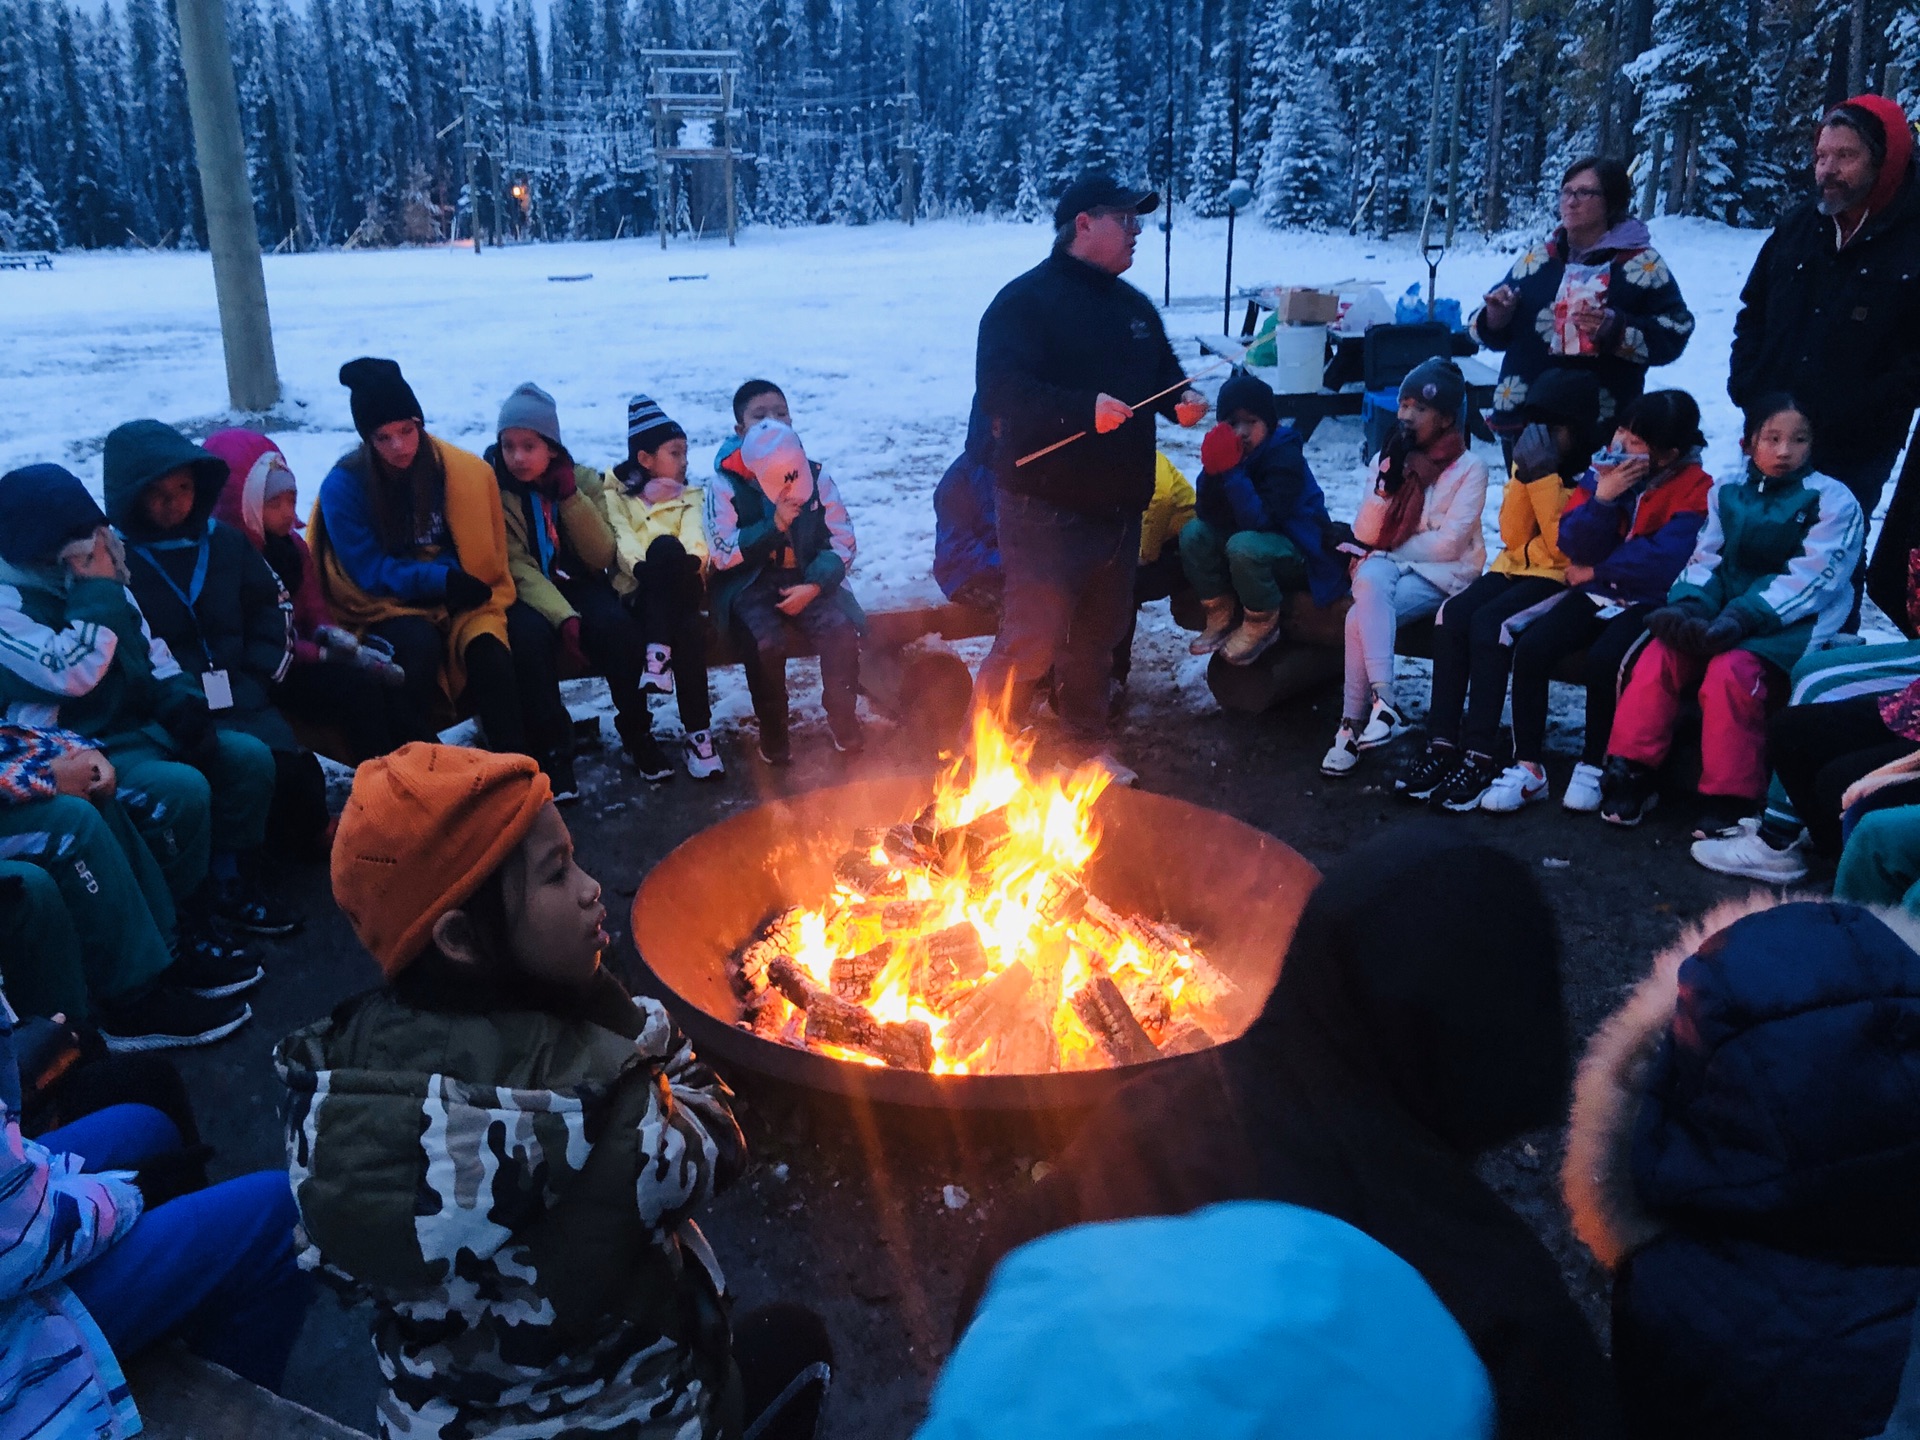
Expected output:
(467, 147)
(239, 281)
(1166, 199)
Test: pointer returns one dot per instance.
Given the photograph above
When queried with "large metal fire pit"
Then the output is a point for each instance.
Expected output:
(1237, 891)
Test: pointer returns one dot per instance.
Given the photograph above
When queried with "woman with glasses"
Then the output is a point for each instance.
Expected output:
(1594, 294)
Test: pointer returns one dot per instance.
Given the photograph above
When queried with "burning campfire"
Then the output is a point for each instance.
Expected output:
(964, 941)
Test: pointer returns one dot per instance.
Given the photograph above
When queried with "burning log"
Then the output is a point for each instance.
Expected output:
(833, 1021)
(1103, 1010)
(910, 917)
(987, 1010)
(858, 873)
(853, 975)
(947, 963)
(1185, 1038)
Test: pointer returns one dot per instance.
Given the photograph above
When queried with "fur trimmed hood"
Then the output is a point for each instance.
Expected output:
(1610, 1213)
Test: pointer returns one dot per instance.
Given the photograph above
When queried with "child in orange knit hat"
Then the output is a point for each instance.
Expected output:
(505, 1148)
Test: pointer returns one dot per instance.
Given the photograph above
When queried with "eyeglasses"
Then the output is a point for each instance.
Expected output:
(1569, 192)
(1127, 220)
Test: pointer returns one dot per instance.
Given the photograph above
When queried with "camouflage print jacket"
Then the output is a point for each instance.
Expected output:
(514, 1191)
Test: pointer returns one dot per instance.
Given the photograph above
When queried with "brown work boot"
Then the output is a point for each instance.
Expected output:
(1219, 623)
(1257, 631)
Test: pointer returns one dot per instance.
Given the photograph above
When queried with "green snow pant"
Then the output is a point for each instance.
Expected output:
(186, 815)
(1881, 862)
(39, 951)
(112, 891)
(1258, 566)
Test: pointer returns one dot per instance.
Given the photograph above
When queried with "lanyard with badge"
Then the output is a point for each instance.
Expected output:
(217, 684)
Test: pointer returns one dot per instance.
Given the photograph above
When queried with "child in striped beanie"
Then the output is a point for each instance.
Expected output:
(661, 538)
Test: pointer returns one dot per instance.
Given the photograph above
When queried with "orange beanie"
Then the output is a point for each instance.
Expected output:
(423, 829)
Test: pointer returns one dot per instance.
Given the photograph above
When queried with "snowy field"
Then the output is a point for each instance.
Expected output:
(871, 332)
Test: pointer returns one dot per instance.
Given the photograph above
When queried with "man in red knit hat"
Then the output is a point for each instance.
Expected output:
(1831, 316)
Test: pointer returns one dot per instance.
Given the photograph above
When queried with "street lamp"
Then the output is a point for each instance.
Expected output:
(1239, 195)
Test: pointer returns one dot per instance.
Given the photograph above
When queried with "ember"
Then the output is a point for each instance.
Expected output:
(964, 941)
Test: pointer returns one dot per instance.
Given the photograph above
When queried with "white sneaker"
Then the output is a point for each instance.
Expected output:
(658, 676)
(1745, 854)
(1516, 788)
(1344, 755)
(1382, 725)
(1583, 789)
(703, 756)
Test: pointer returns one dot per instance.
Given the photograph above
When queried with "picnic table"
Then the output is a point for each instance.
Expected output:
(25, 260)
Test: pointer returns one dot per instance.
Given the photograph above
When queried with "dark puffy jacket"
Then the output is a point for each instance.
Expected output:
(1052, 341)
(1838, 329)
(1746, 1151)
(1638, 544)
(242, 619)
(1273, 489)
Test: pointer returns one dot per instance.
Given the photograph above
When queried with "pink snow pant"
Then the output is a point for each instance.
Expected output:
(1733, 716)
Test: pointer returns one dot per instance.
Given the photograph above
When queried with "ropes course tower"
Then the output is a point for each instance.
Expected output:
(691, 96)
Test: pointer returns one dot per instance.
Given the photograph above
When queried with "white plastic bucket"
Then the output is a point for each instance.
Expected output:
(1300, 357)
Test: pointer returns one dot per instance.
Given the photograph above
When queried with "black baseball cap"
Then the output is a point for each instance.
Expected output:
(1098, 190)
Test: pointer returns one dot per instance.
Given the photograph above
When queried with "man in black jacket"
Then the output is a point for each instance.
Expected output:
(1061, 350)
(1831, 315)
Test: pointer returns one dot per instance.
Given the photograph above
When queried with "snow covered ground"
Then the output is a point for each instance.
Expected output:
(871, 331)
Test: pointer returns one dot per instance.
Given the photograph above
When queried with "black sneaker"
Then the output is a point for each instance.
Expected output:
(1720, 817)
(240, 906)
(1470, 780)
(559, 772)
(1431, 769)
(169, 1019)
(1628, 792)
(211, 970)
(648, 758)
(776, 752)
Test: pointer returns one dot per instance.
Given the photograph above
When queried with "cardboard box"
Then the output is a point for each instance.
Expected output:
(1302, 305)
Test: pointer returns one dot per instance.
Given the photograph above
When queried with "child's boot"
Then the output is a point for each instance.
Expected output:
(645, 753)
(1219, 625)
(658, 676)
(558, 767)
(1257, 632)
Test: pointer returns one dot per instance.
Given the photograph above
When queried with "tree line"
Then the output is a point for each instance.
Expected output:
(410, 121)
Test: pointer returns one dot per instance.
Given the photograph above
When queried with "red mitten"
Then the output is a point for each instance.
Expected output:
(573, 658)
(1220, 451)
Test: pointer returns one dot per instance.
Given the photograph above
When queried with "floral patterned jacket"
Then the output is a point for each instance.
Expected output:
(1646, 320)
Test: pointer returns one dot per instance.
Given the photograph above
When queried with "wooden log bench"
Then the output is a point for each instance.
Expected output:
(915, 689)
(182, 1397)
(1313, 654)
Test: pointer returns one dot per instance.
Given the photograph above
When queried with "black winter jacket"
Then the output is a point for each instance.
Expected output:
(1052, 340)
(1837, 329)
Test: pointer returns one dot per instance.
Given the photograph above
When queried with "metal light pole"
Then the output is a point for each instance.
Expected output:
(239, 281)
(1239, 195)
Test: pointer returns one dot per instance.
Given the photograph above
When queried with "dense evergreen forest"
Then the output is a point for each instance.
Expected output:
(411, 121)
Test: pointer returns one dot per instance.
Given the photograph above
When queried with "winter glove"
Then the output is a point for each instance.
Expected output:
(1393, 461)
(1679, 627)
(171, 1174)
(572, 657)
(564, 485)
(1220, 451)
(464, 592)
(1535, 455)
(189, 724)
(1727, 630)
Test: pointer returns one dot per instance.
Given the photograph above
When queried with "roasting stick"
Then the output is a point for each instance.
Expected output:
(1179, 384)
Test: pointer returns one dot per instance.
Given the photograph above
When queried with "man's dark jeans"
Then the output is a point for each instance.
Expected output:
(1069, 597)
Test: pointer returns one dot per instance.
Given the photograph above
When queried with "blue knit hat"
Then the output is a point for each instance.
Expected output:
(1241, 1321)
(42, 508)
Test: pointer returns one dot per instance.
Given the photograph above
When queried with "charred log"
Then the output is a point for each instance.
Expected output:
(833, 1021)
(987, 1010)
(1103, 1010)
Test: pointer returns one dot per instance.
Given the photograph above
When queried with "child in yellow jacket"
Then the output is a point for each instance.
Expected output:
(661, 542)
(1472, 635)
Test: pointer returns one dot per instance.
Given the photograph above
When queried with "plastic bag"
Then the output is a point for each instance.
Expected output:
(1412, 309)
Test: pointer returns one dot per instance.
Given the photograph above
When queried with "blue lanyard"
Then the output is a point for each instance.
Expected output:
(191, 595)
